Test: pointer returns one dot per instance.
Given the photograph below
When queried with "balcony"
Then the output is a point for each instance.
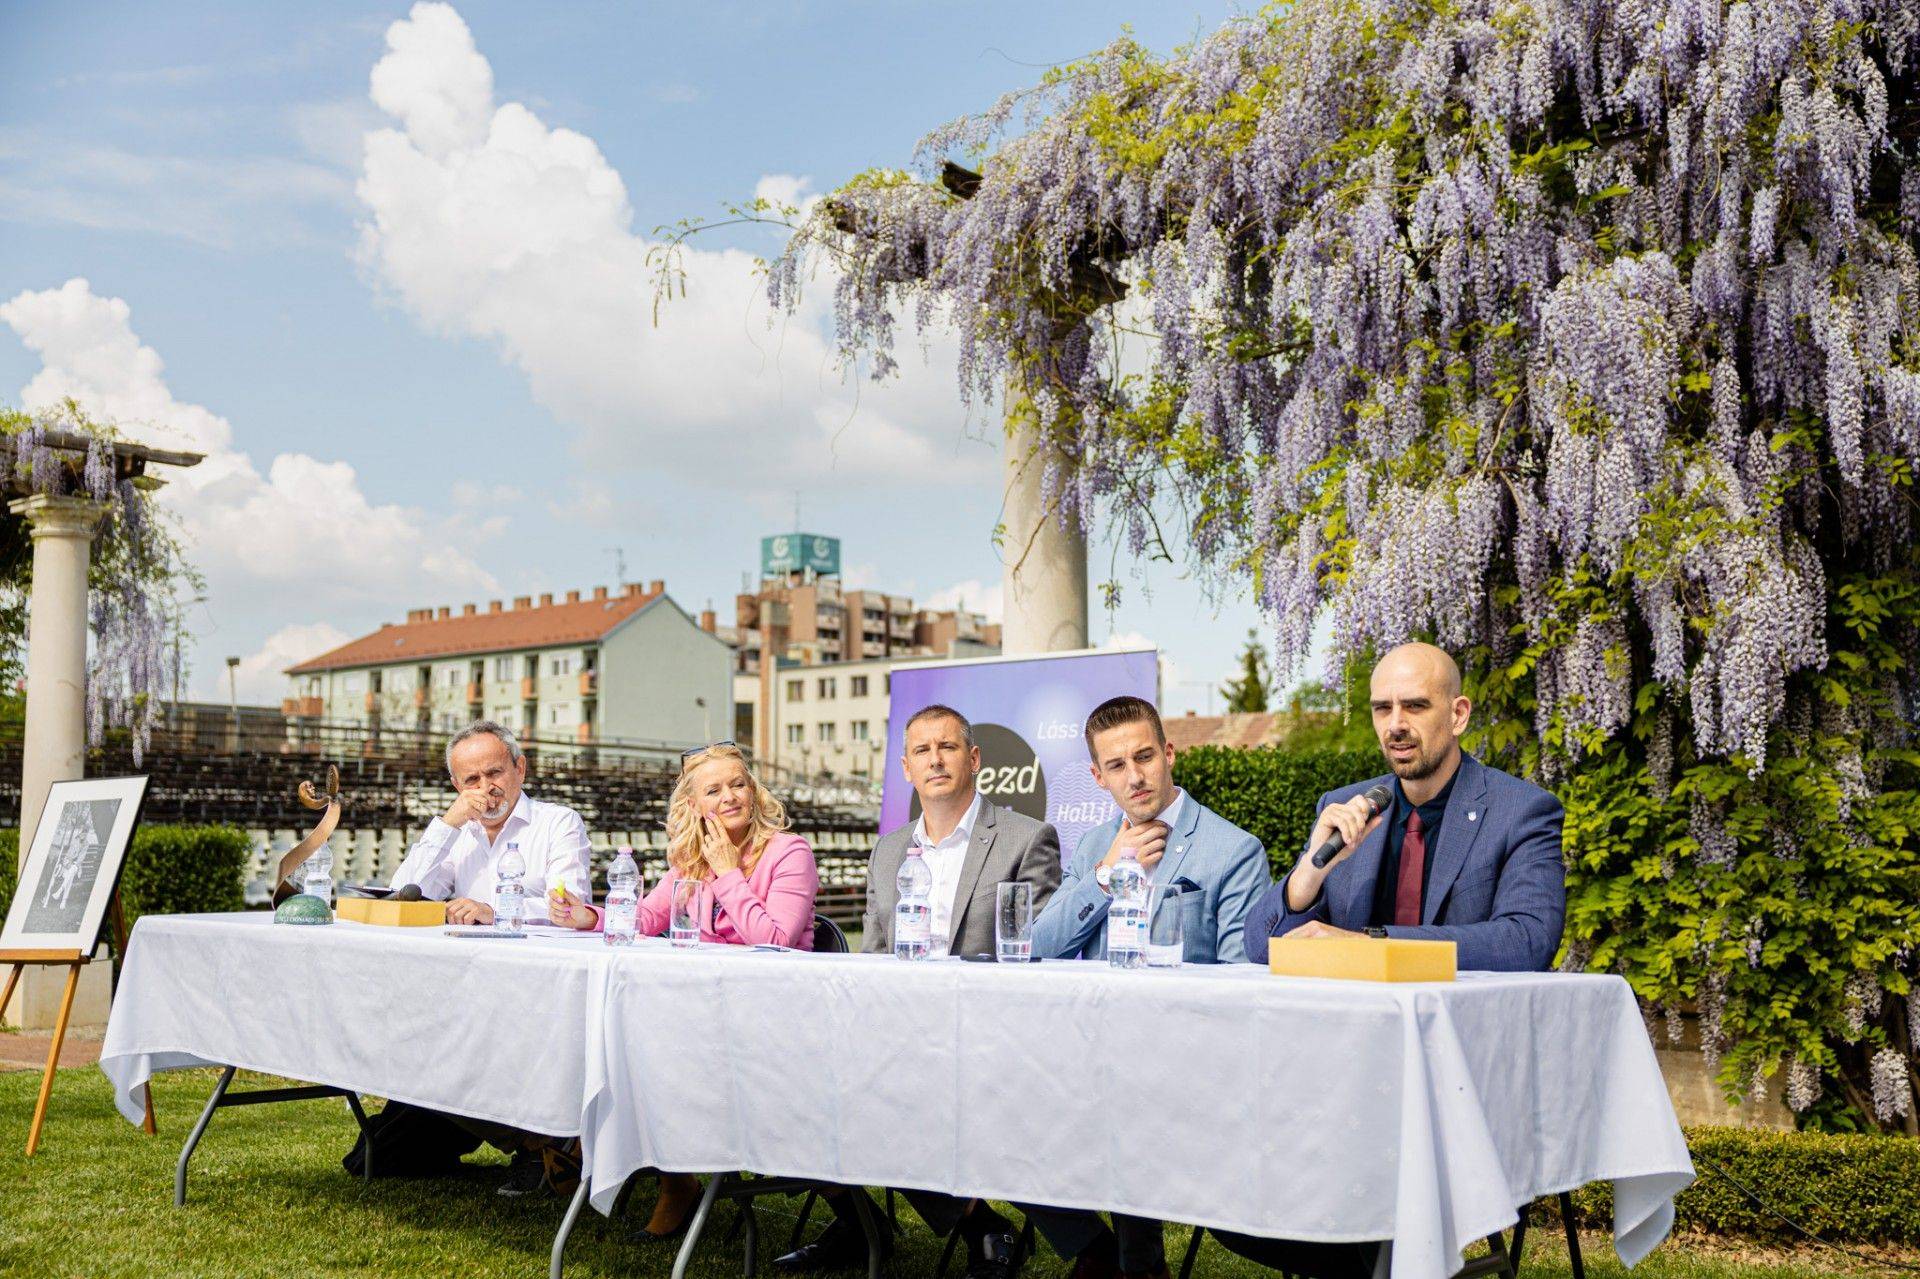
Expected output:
(529, 689)
(373, 703)
(583, 733)
(589, 683)
(308, 706)
(420, 698)
(475, 693)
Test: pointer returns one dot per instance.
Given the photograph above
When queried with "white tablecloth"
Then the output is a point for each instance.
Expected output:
(486, 1028)
(1317, 1110)
(1224, 1096)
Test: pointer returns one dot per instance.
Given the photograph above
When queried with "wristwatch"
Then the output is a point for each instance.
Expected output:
(1377, 931)
(1103, 875)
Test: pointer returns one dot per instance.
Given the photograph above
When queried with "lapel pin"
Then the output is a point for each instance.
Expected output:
(1472, 816)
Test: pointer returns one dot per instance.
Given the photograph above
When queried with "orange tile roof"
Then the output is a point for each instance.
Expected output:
(482, 632)
(1233, 729)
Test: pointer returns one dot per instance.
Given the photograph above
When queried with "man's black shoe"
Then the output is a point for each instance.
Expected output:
(841, 1246)
(527, 1175)
(997, 1258)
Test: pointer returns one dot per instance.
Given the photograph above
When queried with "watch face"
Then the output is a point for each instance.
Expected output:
(1102, 875)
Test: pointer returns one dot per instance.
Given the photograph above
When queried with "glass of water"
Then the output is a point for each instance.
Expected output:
(1166, 937)
(689, 912)
(1013, 922)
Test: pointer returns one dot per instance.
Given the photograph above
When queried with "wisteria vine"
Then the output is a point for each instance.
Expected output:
(1581, 336)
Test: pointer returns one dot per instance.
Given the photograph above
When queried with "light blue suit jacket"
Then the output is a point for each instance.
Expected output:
(1497, 888)
(1227, 864)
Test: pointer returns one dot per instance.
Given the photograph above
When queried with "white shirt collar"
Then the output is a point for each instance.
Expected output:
(960, 834)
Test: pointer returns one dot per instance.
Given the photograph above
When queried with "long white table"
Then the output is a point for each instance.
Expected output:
(1222, 1096)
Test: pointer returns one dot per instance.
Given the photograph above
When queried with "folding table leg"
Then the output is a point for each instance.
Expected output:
(697, 1225)
(366, 1138)
(863, 1209)
(193, 1138)
(1193, 1252)
(566, 1228)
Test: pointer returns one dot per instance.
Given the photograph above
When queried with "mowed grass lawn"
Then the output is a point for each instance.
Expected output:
(267, 1198)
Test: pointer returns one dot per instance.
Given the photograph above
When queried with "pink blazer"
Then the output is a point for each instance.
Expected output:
(772, 906)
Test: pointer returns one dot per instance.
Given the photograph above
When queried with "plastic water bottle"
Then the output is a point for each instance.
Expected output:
(912, 915)
(509, 889)
(1127, 914)
(623, 899)
(318, 878)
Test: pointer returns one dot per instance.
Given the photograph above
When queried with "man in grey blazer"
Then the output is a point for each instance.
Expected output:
(1180, 843)
(971, 846)
(1462, 853)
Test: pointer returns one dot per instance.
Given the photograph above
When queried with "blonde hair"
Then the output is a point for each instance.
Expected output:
(684, 857)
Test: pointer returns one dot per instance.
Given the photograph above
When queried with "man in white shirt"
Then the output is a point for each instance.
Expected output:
(454, 860)
(972, 846)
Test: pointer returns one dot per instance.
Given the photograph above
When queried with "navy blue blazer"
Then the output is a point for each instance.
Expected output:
(1497, 888)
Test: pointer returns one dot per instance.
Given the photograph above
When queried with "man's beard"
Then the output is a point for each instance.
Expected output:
(497, 814)
(1423, 764)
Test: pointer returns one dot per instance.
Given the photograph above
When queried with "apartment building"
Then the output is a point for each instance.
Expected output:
(820, 720)
(626, 666)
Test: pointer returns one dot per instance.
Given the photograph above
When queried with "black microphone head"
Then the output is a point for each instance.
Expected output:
(407, 893)
(1379, 797)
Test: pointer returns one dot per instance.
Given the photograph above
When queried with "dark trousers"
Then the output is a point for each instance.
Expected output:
(941, 1212)
(1072, 1230)
(1309, 1260)
(502, 1137)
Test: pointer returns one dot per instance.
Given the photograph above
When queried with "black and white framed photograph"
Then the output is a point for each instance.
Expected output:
(70, 872)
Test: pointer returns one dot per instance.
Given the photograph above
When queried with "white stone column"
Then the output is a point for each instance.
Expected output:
(56, 736)
(1045, 563)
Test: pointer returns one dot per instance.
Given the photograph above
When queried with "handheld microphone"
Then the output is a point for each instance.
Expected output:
(406, 893)
(1377, 799)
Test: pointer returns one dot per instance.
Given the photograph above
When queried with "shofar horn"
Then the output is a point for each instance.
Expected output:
(331, 801)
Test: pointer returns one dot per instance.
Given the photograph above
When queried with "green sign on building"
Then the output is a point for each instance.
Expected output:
(799, 552)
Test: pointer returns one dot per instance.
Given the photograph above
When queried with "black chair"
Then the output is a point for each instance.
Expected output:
(1502, 1259)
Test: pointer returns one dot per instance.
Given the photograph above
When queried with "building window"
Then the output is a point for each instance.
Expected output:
(562, 666)
(858, 686)
(560, 713)
(453, 677)
(503, 668)
(859, 730)
(826, 732)
(827, 686)
(796, 690)
(355, 683)
(886, 683)
(796, 733)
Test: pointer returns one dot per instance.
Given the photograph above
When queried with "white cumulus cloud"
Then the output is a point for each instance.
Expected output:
(972, 595)
(482, 220)
(282, 544)
(259, 678)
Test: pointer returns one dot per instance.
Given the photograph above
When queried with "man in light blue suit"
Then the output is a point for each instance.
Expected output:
(1462, 853)
(1180, 843)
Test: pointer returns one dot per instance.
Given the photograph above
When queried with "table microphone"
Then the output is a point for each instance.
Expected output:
(1377, 799)
(406, 893)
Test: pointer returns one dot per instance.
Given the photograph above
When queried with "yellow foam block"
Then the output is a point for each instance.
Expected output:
(1362, 958)
(370, 910)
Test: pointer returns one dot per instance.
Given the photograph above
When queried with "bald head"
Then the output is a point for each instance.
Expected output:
(1419, 714)
(1433, 667)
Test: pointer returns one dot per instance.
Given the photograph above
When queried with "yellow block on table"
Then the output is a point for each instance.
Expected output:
(1362, 958)
(372, 910)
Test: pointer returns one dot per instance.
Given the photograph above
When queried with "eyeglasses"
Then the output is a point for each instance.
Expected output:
(701, 750)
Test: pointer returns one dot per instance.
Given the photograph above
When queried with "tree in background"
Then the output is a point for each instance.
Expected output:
(1250, 692)
(1581, 338)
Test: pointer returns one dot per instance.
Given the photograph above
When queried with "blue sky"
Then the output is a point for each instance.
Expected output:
(408, 314)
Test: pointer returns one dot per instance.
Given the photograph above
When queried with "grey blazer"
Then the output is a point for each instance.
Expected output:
(1005, 846)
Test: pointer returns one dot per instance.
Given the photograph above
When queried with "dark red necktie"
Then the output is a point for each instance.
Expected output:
(1413, 870)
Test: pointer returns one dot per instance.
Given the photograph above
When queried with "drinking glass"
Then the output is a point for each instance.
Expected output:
(1166, 938)
(689, 912)
(1013, 922)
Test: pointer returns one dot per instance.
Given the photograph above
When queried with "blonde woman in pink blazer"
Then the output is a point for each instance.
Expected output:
(726, 829)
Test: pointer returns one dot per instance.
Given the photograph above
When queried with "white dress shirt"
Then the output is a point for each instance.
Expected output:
(944, 860)
(448, 862)
(1171, 816)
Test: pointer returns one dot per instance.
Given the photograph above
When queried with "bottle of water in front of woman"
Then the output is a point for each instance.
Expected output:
(912, 915)
(623, 899)
(319, 875)
(509, 889)
(1127, 914)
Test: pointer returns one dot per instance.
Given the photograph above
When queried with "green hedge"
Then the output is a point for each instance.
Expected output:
(1846, 1188)
(1271, 792)
(170, 870)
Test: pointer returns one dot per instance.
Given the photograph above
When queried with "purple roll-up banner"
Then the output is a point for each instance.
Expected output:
(1027, 714)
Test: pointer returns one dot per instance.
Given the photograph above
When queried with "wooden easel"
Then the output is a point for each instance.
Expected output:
(73, 959)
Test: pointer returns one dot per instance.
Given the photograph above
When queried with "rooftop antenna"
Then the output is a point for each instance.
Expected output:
(619, 565)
